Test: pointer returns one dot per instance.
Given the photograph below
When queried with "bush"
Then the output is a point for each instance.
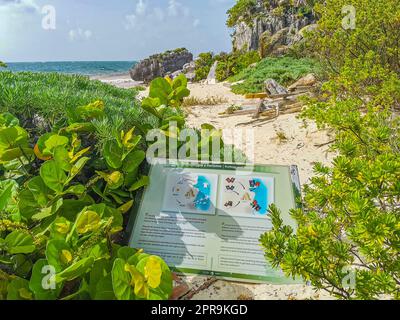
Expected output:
(47, 97)
(285, 70)
(233, 63)
(62, 207)
(348, 236)
(203, 65)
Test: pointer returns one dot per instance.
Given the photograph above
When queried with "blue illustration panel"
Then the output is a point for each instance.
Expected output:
(190, 193)
(246, 196)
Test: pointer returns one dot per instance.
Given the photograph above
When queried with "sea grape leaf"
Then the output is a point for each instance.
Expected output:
(14, 137)
(121, 281)
(77, 168)
(161, 89)
(138, 282)
(133, 160)
(39, 190)
(150, 105)
(54, 251)
(39, 276)
(76, 270)
(142, 182)
(53, 176)
(113, 154)
(153, 272)
(49, 211)
(19, 242)
(12, 154)
(88, 221)
(126, 252)
(7, 188)
(126, 207)
(179, 81)
(164, 290)
(54, 141)
(61, 156)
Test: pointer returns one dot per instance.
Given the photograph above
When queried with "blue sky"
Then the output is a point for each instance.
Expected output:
(109, 29)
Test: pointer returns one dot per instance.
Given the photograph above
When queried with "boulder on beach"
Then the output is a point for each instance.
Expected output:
(306, 81)
(274, 88)
(160, 65)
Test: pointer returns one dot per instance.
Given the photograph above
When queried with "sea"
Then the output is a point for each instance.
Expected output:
(88, 68)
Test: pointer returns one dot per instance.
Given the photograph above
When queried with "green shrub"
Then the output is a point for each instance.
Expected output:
(203, 65)
(62, 205)
(233, 63)
(49, 96)
(348, 236)
(2, 65)
(285, 70)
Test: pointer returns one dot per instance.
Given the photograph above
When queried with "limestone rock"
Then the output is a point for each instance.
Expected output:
(160, 65)
(307, 81)
(274, 88)
(277, 27)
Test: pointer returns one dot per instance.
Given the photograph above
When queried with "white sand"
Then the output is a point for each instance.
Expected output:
(299, 149)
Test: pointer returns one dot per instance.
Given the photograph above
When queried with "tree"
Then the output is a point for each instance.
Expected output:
(349, 226)
(2, 65)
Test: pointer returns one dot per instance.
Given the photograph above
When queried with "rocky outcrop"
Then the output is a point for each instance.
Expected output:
(272, 30)
(160, 65)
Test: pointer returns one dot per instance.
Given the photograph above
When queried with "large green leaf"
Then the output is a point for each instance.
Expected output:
(179, 81)
(48, 211)
(100, 283)
(76, 270)
(161, 89)
(126, 252)
(149, 266)
(53, 142)
(55, 251)
(14, 137)
(53, 176)
(150, 105)
(19, 242)
(7, 188)
(77, 168)
(113, 154)
(133, 160)
(17, 153)
(121, 281)
(142, 182)
(87, 221)
(61, 156)
(39, 190)
(39, 276)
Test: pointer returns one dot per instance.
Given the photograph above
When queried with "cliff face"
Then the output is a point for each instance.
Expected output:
(160, 65)
(272, 29)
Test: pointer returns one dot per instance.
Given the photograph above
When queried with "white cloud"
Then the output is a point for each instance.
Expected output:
(79, 34)
(141, 7)
(15, 6)
(143, 15)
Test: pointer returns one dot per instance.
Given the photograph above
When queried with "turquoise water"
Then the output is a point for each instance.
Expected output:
(89, 68)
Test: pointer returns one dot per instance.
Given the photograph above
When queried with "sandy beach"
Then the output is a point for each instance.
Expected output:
(302, 146)
(122, 80)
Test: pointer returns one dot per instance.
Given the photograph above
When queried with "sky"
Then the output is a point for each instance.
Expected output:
(108, 30)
